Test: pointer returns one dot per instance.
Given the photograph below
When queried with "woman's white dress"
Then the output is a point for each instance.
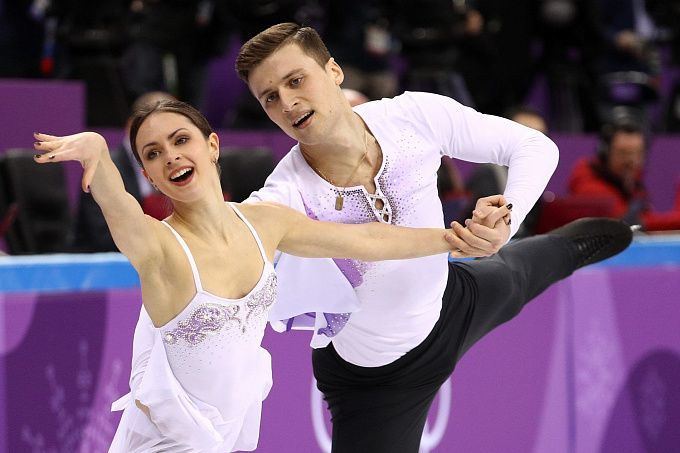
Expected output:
(206, 375)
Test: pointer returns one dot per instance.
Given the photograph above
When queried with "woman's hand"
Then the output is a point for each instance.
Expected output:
(85, 147)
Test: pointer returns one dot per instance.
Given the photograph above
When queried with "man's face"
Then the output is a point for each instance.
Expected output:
(626, 155)
(298, 94)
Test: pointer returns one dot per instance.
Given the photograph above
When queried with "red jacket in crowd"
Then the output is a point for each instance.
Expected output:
(590, 178)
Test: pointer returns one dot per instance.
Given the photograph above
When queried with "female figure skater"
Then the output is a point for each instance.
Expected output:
(206, 278)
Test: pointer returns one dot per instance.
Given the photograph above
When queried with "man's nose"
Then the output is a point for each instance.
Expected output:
(288, 100)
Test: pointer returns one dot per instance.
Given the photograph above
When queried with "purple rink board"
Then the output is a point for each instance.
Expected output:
(592, 365)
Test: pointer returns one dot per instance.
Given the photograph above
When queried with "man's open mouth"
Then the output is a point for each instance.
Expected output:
(300, 121)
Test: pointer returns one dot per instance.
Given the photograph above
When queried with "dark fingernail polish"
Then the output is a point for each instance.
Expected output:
(37, 143)
(509, 206)
(37, 156)
(509, 221)
(51, 157)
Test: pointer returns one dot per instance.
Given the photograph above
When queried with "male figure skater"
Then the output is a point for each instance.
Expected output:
(387, 335)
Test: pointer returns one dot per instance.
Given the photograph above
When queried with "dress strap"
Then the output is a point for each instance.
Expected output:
(190, 257)
(252, 230)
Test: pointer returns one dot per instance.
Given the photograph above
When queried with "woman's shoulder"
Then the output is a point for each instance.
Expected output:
(269, 215)
(159, 250)
(257, 209)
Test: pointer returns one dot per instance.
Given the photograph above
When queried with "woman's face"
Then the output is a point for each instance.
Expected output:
(177, 158)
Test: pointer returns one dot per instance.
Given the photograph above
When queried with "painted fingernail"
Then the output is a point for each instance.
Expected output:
(37, 143)
(37, 156)
(509, 206)
(51, 157)
(468, 222)
(509, 221)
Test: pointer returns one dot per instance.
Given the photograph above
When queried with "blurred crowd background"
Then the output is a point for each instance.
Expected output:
(604, 67)
(590, 55)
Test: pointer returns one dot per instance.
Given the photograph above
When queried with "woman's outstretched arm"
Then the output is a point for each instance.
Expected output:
(131, 229)
(373, 241)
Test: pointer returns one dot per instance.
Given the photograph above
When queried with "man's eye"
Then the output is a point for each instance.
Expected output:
(270, 98)
(296, 81)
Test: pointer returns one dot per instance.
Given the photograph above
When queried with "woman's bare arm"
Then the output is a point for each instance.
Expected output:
(373, 241)
(132, 230)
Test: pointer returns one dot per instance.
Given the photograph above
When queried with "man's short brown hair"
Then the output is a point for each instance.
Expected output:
(265, 43)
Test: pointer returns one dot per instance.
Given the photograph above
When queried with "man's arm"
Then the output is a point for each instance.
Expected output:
(466, 134)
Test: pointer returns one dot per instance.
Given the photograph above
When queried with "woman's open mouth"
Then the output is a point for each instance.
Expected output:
(182, 176)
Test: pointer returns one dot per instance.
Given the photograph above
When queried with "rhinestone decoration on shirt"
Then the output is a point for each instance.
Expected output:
(365, 205)
(334, 323)
(210, 318)
(392, 186)
(384, 214)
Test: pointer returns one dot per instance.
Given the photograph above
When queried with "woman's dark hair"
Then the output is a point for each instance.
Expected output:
(171, 106)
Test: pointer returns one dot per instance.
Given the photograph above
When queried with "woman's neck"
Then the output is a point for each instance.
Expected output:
(201, 217)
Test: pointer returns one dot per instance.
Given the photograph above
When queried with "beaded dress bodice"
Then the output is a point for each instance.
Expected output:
(213, 344)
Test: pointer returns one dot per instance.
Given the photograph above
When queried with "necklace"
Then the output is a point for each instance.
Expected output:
(339, 199)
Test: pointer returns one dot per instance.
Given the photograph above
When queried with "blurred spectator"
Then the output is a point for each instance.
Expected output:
(171, 44)
(357, 36)
(451, 189)
(571, 38)
(21, 39)
(449, 180)
(91, 233)
(490, 179)
(253, 16)
(629, 63)
(355, 97)
(666, 16)
(88, 41)
(615, 175)
(430, 33)
(499, 39)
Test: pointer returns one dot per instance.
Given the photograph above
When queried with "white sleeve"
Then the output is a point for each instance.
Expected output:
(280, 187)
(464, 133)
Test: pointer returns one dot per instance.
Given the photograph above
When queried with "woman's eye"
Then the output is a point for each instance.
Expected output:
(181, 140)
(270, 98)
(151, 154)
(296, 81)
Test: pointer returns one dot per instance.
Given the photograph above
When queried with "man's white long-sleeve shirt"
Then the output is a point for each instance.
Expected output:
(376, 312)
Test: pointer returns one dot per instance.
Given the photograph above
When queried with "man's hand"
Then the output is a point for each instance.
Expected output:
(486, 232)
